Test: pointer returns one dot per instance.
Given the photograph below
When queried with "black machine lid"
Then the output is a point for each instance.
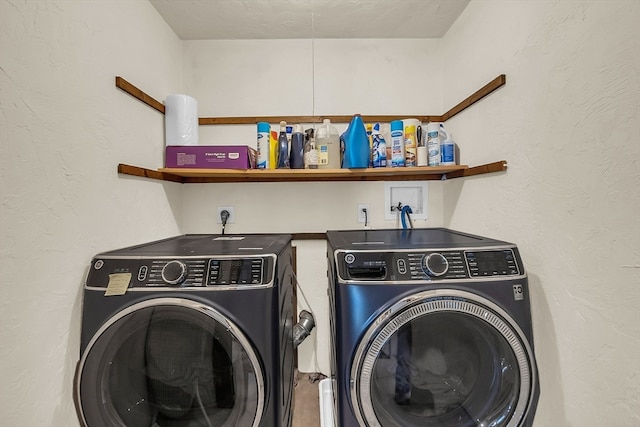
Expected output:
(407, 238)
(207, 245)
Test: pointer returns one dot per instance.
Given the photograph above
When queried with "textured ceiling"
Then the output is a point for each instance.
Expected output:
(295, 19)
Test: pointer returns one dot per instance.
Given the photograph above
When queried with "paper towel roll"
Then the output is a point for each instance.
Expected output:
(181, 120)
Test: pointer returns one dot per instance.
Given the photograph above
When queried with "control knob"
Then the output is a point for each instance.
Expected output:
(435, 264)
(174, 272)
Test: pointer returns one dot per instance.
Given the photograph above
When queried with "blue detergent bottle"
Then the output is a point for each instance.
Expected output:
(356, 145)
(296, 159)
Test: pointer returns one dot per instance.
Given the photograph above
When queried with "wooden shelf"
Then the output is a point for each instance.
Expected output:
(187, 176)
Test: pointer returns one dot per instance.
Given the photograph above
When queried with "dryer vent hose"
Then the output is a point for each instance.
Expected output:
(303, 328)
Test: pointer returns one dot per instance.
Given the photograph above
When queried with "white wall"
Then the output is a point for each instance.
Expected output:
(568, 123)
(64, 128)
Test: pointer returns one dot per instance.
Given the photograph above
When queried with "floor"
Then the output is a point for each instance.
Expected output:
(306, 409)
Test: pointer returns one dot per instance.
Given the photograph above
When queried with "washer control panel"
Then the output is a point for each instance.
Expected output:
(221, 272)
(442, 264)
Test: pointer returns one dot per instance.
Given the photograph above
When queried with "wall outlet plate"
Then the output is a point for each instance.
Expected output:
(364, 218)
(414, 194)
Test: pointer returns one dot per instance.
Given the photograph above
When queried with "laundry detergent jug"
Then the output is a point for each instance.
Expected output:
(355, 143)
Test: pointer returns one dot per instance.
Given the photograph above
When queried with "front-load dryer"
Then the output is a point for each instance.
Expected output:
(191, 331)
(429, 327)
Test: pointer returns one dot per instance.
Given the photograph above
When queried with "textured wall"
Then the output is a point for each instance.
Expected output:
(568, 123)
(64, 128)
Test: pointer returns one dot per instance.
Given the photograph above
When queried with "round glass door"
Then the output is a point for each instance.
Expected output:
(442, 361)
(170, 362)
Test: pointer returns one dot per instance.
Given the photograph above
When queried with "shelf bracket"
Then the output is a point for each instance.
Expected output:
(487, 89)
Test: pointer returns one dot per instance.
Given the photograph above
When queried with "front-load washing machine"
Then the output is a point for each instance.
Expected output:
(429, 327)
(190, 331)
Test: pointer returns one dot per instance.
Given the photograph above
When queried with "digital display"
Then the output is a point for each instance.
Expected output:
(491, 263)
(235, 271)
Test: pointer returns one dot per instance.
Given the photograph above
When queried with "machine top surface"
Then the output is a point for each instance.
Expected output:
(206, 245)
(423, 238)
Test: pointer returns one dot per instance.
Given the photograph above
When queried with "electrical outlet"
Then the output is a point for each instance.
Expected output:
(413, 194)
(232, 214)
(364, 218)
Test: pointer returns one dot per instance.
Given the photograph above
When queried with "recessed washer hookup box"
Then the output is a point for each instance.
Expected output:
(210, 156)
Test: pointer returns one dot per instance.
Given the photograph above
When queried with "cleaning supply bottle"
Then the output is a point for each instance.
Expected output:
(328, 146)
(296, 158)
(369, 128)
(410, 143)
(447, 149)
(397, 144)
(385, 130)
(310, 151)
(433, 144)
(263, 145)
(357, 150)
(283, 147)
(273, 149)
(289, 129)
(379, 151)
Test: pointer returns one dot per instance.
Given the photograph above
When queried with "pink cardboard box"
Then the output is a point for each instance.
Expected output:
(210, 156)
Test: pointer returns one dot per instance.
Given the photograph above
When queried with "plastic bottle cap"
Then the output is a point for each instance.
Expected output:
(433, 127)
(397, 125)
(298, 128)
(325, 121)
(263, 127)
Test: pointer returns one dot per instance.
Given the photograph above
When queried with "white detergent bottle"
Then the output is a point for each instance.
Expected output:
(328, 146)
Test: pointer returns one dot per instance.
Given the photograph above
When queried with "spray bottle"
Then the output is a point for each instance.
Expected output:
(310, 151)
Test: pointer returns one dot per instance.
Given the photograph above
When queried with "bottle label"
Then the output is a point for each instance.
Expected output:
(410, 145)
(448, 153)
(263, 150)
(379, 153)
(323, 155)
(312, 158)
(433, 149)
(397, 148)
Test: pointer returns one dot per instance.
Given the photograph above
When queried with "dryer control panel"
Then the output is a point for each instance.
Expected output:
(210, 273)
(444, 264)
